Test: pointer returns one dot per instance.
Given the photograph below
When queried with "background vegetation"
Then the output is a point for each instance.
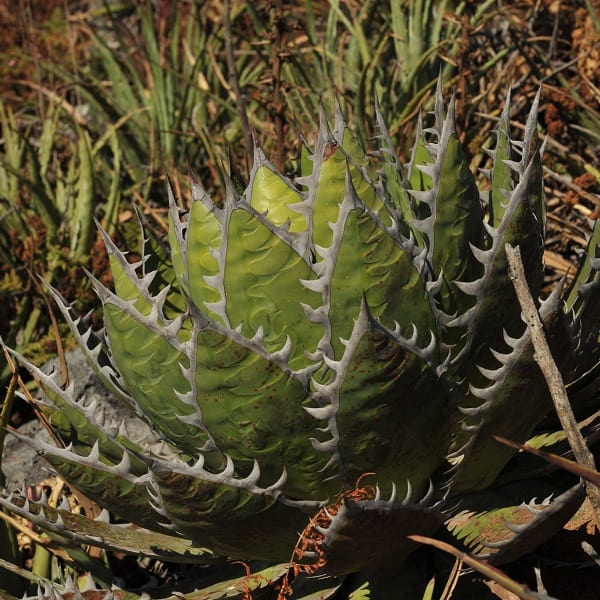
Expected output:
(100, 101)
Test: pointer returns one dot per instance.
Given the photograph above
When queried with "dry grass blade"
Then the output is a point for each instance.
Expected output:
(24, 528)
(27, 395)
(452, 580)
(522, 591)
(564, 463)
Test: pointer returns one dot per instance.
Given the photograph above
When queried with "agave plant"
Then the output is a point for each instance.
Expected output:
(331, 356)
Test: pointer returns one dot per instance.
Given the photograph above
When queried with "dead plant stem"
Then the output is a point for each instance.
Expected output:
(556, 386)
(235, 82)
(277, 101)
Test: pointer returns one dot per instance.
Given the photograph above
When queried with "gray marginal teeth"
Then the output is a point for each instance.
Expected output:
(321, 364)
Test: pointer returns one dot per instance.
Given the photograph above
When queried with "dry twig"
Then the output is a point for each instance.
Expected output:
(556, 386)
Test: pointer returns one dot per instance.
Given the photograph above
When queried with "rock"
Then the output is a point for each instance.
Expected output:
(21, 464)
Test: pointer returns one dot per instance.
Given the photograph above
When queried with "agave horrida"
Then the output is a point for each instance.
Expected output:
(303, 334)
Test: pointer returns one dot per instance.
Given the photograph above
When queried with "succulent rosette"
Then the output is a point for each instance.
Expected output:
(329, 355)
